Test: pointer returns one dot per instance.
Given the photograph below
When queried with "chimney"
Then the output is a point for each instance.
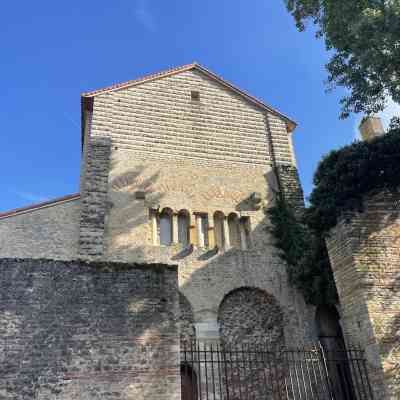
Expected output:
(371, 127)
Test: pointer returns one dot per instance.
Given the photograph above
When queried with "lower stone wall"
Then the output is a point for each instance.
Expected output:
(51, 231)
(364, 250)
(75, 330)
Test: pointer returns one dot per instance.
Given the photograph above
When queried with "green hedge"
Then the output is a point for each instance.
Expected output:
(345, 176)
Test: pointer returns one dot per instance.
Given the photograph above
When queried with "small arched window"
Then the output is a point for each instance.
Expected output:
(234, 233)
(183, 227)
(219, 229)
(165, 227)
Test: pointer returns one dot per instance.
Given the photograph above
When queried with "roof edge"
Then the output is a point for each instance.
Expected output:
(37, 206)
(87, 95)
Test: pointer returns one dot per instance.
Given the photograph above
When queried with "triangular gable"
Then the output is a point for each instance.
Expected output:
(87, 97)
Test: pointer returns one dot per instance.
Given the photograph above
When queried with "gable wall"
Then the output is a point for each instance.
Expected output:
(202, 157)
(158, 119)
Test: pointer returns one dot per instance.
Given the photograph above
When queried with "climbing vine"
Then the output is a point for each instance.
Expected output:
(341, 181)
(305, 253)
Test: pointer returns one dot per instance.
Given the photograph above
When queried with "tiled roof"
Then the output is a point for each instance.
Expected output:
(183, 68)
(33, 207)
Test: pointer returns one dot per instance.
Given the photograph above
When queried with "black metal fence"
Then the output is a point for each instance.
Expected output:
(247, 372)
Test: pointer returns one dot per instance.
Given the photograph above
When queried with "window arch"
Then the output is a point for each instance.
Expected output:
(219, 229)
(234, 233)
(165, 227)
(183, 227)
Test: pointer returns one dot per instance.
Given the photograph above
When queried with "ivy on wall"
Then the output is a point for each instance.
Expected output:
(305, 253)
(341, 181)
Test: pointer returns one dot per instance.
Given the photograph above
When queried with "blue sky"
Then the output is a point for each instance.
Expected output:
(54, 50)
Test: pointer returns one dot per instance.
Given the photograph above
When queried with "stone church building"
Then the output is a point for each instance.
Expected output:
(168, 240)
(177, 168)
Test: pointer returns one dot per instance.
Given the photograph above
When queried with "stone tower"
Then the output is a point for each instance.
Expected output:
(364, 249)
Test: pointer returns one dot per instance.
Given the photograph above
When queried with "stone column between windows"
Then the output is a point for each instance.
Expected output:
(175, 228)
(227, 242)
(200, 236)
(154, 230)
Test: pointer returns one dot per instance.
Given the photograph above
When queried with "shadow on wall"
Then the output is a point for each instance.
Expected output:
(207, 275)
(72, 331)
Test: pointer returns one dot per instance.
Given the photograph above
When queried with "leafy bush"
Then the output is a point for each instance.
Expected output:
(345, 176)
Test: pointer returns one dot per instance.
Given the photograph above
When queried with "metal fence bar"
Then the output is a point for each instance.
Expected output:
(247, 372)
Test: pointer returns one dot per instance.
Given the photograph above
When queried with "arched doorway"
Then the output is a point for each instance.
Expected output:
(330, 336)
(188, 383)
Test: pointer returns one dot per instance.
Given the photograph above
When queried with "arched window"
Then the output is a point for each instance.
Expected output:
(219, 229)
(165, 227)
(234, 233)
(183, 227)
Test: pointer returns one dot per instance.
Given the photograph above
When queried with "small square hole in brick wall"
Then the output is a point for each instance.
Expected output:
(195, 95)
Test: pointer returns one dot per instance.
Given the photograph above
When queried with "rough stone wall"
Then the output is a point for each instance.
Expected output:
(251, 316)
(74, 330)
(94, 201)
(186, 320)
(50, 232)
(290, 186)
(364, 250)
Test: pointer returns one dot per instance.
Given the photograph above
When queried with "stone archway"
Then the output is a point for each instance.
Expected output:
(250, 315)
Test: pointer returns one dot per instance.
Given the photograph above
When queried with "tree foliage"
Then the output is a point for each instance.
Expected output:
(345, 176)
(305, 254)
(364, 36)
(341, 181)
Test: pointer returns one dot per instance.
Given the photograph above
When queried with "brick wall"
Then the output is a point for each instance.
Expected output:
(74, 330)
(364, 250)
(51, 232)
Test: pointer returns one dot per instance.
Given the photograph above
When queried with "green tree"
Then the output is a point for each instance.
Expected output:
(364, 36)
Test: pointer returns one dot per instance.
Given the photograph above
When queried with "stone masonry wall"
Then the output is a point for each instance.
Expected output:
(51, 232)
(200, 156)
(364, 250)
(251, 316)
(75, 330)
(159, 119)
(205, 276)
(94, 201)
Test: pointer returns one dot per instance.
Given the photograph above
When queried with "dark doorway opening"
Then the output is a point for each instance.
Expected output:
(330, 336)
(188, 383)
